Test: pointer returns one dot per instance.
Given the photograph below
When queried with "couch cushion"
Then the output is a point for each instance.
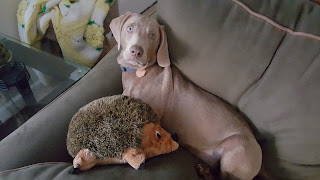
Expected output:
(249, 53)
(218, 45)
(284, 104)
(224, 49)
(177, 165)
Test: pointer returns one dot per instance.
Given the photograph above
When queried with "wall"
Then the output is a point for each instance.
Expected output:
(134, 6)
(8, 19)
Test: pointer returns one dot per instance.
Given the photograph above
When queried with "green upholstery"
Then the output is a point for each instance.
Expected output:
(271, 75)
(177, 165)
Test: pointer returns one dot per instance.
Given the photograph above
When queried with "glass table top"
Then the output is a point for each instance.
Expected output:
(50, 76)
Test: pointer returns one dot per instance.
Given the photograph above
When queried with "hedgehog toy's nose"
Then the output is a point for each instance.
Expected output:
(175, 137)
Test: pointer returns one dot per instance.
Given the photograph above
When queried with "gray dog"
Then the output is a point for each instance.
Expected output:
(207, 126)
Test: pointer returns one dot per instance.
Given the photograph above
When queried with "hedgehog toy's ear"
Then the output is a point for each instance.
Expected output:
(116, 26)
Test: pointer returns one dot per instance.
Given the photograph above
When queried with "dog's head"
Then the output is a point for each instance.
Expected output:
(143, 42)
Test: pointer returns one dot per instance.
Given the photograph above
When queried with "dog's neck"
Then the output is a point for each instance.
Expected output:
(124, 69)
(141, 71)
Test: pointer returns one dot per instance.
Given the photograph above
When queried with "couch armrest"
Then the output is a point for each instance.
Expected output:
(43, 137)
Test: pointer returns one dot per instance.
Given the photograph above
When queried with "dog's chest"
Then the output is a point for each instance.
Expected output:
(154, 88)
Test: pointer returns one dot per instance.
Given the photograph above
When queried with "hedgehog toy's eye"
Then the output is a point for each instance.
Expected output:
(158, 134)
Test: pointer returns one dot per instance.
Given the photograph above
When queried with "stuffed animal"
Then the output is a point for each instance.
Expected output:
(116, 130)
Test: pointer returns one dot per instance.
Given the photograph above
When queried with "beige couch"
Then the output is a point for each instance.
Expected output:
(251, 57)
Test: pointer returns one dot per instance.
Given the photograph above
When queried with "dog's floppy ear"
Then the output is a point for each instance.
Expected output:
(163, 54)
(116, 26)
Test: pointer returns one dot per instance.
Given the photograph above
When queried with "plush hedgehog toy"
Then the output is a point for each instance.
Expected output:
(116, 130)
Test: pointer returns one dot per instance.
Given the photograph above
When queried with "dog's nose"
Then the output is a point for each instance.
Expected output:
(136, 51)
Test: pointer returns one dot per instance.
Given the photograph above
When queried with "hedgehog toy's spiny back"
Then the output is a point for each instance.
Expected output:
(108, 126)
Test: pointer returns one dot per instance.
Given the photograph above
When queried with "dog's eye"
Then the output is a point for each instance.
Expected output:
(152, 35)
(158, 134)
(129, 29)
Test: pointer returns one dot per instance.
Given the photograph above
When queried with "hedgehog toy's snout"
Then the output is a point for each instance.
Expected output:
(174, 146)
(175, 137)
(156, 140)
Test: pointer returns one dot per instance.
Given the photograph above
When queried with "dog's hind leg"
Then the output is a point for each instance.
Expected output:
(241, 158)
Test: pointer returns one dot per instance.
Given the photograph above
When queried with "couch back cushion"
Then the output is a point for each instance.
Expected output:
(218, 45)
(245, 52)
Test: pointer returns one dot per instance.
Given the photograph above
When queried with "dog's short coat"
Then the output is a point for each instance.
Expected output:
(207, 126)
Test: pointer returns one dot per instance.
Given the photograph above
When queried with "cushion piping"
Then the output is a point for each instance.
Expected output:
(304, 34)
